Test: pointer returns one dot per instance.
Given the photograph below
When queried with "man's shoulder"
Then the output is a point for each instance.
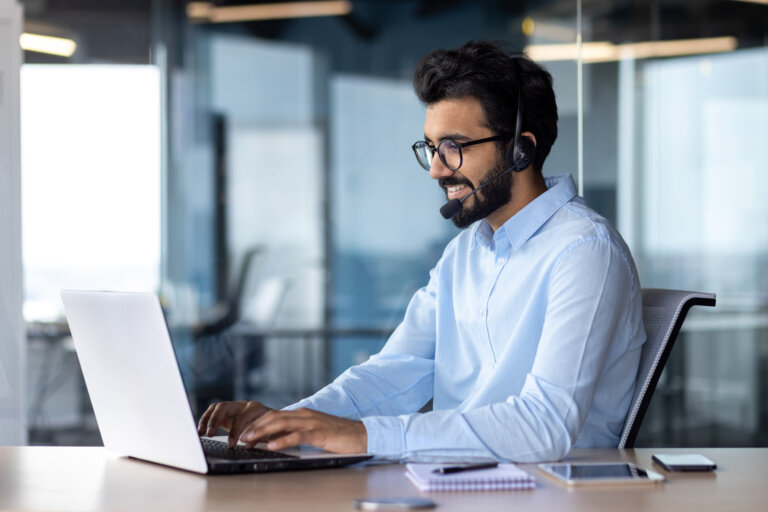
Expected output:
(576, 222)
(576, 225)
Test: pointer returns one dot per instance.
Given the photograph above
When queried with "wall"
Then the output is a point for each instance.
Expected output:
(12, 341)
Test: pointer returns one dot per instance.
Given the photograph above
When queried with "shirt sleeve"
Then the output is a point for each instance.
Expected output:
(593, 293)
(397, 380)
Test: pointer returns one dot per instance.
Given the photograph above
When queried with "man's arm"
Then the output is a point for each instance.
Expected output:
(387, 384)
(398, 380)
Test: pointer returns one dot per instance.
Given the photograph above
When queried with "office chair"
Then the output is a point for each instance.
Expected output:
(225, 315)
(663, 314)
(212, 360)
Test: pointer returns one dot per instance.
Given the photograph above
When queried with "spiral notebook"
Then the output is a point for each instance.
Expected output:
(502, 477)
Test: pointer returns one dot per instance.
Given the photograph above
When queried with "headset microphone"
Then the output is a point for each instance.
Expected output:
(519, 156)
(453, 207)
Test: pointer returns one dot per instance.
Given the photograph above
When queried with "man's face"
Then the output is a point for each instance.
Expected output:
(464, 120)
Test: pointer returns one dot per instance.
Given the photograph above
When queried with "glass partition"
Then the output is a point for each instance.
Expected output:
(294, 223)
(674, 133)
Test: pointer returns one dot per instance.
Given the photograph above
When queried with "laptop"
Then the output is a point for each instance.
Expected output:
(138, 396)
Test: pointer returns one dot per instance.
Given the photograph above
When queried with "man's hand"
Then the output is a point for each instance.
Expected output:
(231, 416)
(253, 422)
(304, 426)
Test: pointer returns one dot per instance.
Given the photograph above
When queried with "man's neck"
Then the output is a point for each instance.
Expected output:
(526, 186)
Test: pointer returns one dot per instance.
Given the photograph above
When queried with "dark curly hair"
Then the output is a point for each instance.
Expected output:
(490, 73)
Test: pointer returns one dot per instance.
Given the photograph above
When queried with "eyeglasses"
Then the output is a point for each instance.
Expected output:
(448, 150)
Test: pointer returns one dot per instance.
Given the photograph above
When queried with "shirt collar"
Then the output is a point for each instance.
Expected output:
(523, 224)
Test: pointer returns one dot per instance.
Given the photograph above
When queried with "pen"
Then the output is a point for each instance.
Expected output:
(466, 467)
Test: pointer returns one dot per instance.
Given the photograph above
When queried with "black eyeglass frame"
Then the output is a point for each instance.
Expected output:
(436, 149)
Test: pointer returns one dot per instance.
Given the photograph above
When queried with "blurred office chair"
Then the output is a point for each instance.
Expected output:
(663, 314)
(213, 358)
(226, 314)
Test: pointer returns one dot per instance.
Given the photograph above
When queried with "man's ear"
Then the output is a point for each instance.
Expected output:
(530, 136)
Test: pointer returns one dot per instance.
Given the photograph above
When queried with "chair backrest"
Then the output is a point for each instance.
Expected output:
(663, 314)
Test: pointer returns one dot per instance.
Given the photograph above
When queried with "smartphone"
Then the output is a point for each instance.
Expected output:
(683, 462)
(601, 473)
(394, 503)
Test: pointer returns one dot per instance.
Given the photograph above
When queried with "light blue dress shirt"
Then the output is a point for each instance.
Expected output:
(527, 340)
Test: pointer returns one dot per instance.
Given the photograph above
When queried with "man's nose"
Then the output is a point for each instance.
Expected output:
(438, 170)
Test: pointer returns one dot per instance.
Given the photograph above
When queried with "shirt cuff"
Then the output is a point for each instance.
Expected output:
(386, 436)
(297, 405)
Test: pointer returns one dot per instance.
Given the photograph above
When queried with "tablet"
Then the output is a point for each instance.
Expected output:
(601, 473)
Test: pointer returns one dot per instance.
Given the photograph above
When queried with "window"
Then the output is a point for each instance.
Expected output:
(90, 181)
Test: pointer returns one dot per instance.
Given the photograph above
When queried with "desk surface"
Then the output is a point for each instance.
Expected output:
(53, 478)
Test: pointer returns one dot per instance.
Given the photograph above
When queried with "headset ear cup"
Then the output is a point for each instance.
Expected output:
(522, 153)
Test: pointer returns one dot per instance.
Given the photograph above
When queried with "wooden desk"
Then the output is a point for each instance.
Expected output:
(43, 478)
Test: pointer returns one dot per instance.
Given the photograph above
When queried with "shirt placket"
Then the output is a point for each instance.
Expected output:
(498, 258)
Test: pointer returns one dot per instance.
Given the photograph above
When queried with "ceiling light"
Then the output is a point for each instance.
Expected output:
(607, 52)
(207, 12)
(47, 44)
(528, 26)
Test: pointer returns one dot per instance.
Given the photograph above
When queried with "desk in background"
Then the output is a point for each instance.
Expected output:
(83, 479)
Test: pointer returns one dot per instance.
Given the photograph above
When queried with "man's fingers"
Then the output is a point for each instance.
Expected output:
(222, 415)
(231, 416)
(275, 423)
(216, 418)
(207, 419)
(292, 439)
(251, 412)
(202, 425)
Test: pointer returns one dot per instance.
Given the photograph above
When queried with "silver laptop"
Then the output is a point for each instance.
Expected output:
(138, 395)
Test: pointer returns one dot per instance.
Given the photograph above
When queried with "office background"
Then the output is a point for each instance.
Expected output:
(258, 176)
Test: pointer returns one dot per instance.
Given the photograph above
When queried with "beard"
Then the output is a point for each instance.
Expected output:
(486, 201)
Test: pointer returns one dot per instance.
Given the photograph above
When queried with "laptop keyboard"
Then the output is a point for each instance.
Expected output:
(222, 450)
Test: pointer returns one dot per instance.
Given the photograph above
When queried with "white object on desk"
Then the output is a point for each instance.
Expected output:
(502, 477)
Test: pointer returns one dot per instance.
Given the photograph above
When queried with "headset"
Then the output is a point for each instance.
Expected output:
(522, 151)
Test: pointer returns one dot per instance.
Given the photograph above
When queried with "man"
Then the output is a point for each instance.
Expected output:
(527, 336)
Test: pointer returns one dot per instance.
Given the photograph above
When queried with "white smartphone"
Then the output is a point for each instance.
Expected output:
(601, 473)
(684, 462)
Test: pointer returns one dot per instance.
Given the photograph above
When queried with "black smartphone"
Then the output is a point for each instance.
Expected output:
(684, 462)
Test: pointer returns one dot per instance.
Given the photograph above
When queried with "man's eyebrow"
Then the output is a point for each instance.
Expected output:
(458, 137)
